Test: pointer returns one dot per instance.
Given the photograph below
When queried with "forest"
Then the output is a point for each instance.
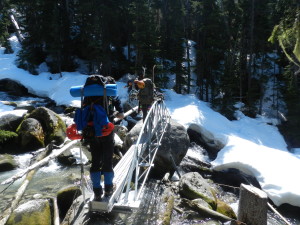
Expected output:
(237, 42)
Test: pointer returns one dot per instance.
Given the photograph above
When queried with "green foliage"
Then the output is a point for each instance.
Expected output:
(5, 26)
(6, 136)
(288, 35)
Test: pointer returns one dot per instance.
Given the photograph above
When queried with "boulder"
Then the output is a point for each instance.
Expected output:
(225, 209)
(36, 212)
(8, 141)
(65, 198)
(192, 186)
(66, 158)
(13, 87)
(121, 131)
(31, 135)
(53, 126)
(205, 138)
(175, 143)
(7, 162)
(11, 121)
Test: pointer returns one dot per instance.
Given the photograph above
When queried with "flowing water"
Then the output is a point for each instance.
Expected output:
(52, 177)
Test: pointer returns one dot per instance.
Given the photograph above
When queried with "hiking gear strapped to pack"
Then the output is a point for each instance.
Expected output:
(95, 85)
(72, 132)
(140, 84)
(92, 118)
(146, 94)
(94, 90)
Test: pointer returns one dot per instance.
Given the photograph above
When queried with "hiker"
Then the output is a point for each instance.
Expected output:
(145, 95)
(129, 86)
(102, 147)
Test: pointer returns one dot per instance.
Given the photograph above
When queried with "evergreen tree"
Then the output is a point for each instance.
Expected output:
(287, 33)
(144, 36)
(5, 26)
(172, 39)
(32, 53)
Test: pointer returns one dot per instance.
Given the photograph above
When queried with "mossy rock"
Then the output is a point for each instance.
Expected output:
(35, 212)
(7, 162)
(225, 209)
(7, 135)
(65, 198)
(9, 103)
(8, 140)
(193, 185)
(31, 134)
(53, 126)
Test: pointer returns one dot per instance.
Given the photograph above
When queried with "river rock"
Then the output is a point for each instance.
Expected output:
(225, 209)
(13, 87)
(121, 131)
(8, 141)
(11, 121)
(65, 198)
(31, 135)
(7, 162)
(53, 126)
(175, 143)
(201, 136)
(36, 212)
(192, 186)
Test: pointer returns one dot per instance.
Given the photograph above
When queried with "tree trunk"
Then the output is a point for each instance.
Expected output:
(188, 66)
(16, 26)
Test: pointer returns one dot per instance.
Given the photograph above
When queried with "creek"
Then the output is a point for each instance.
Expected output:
(54, 176)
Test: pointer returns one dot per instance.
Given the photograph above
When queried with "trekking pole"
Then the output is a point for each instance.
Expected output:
(80, 149)
(82, 172)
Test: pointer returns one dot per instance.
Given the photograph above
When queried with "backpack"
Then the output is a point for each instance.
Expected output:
(146, 95)
(92, 118)
(96, 79)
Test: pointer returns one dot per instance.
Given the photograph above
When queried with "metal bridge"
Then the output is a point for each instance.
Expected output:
(136, 164)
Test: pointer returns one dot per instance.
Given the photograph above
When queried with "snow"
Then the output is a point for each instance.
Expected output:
(250, 145)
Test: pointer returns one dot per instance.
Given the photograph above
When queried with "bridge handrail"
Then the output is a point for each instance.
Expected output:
(156, 120)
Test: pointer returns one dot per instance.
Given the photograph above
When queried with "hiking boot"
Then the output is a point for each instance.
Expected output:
(98, 194)
(109, 189)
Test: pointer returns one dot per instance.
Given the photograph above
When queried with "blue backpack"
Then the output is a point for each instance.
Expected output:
(92, 119)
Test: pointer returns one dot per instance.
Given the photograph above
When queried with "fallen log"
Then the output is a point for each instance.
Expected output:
(39, 163)
(55, 211)
(206, 212)
(135, 109)
(20, 192)
(16, 26)
(167, 216)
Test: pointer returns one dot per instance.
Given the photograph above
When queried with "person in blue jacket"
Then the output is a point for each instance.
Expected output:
(102, 147)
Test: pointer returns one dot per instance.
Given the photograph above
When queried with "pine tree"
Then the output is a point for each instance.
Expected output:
(32, 52)
(5, 26)
(287, 33)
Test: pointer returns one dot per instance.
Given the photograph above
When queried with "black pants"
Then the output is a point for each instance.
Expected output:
(145, 110)
(102, 149)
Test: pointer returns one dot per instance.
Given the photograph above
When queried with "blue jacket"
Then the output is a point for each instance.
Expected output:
(100, 118)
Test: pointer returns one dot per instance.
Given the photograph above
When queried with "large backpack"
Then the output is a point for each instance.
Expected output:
(146, 95)
(92, 118)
